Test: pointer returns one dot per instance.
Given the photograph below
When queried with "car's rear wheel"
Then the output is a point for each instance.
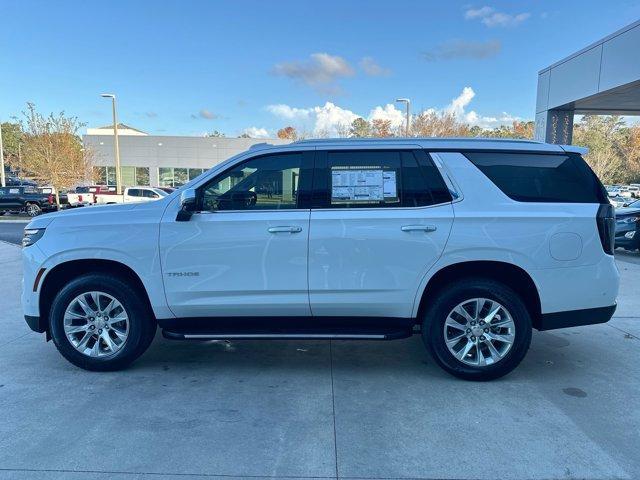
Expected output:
(101, 323)
(477, 329)
(33, 209)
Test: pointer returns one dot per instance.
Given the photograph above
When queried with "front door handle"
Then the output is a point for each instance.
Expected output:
(419, 228)
(288, 229)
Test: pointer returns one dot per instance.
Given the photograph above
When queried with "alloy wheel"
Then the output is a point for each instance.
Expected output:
(33, 210)
(96, 324)
(479, 332)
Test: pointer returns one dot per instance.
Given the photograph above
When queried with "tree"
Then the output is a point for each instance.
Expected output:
(288, 133)
(215, 134)
(12, 138)
(605, 138)
(360, 128)
(52, 152)
(381, 128)
(430, 123)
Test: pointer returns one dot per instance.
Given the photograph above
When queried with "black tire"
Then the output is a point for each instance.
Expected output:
(142, 325)
(33, 209)
(447, 299)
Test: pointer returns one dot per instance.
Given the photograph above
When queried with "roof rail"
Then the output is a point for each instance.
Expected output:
(415, 139)
(260, 145)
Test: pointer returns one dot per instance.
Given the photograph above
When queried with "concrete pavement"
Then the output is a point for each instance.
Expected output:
(321, 409)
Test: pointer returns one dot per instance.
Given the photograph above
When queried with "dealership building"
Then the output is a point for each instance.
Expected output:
(159, 160)
(601, 79)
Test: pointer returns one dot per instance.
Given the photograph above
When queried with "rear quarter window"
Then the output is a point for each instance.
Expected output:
(534, 177)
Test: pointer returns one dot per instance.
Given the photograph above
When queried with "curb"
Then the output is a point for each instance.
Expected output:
(15, 221)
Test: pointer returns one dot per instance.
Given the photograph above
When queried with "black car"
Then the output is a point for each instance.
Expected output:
(628, 226)
(26, 199)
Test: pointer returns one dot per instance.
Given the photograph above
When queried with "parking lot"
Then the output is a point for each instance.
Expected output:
(316, 409)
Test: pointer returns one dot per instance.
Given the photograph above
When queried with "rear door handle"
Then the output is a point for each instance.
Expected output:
(419, 228)
(287, 229)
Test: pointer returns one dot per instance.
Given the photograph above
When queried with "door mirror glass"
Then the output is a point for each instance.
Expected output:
(188, 204)
(188, 200)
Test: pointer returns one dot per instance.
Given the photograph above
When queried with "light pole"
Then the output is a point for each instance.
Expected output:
(2, 179)
(116, 146)
(408, 103)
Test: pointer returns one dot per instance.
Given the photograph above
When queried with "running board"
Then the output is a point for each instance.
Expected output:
(212, 335)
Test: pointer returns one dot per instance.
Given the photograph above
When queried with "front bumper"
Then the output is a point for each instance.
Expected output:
(575, 318)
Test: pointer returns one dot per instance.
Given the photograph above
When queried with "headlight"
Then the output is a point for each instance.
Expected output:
(630, 219)
(31, 236)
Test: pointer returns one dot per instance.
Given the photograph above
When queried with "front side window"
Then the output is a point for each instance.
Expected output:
(269, 182)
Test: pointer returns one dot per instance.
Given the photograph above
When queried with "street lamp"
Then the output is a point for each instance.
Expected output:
(116, 146)
(408, 103)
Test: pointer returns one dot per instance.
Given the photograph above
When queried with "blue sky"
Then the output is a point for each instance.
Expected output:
(188, 67)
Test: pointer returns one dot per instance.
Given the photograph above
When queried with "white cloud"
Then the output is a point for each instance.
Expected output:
(331, 119)
(321, 71)
(388, 112)
(458, 107)
(373, 68)
(255, 132)
(493, 18)
(290, 113)
(326, 119)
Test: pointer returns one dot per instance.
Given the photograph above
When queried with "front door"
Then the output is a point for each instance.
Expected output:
(245, 252)
(384, 220)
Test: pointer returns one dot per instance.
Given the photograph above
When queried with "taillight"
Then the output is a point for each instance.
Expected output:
(80, 198)
(606, 221)
(50, 199)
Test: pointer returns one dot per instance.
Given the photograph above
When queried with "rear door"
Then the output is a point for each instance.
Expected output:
(381, 219)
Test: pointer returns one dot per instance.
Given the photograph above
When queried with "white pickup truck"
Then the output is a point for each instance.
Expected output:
(131, 195)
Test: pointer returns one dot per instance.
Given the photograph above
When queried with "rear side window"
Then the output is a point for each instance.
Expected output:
(377, 179)
(533, 177)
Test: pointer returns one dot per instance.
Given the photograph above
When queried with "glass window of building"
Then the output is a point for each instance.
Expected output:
(180, 176)
(142, 176)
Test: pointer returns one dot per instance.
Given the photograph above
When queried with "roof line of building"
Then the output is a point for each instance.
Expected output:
(592, 46)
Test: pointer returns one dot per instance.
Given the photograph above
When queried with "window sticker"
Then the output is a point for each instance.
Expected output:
(362, 184)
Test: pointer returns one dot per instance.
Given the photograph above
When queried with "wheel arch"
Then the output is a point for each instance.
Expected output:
(512, 275)
(60, 275)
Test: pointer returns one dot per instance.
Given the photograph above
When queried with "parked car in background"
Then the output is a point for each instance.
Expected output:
(630, 191)
(13, 181)
(167, 189)
(628, 226)
(618, 201)
(130, 195)
(81, 197)
(469, 242)
(613, 190)
(62, 196)
(26, 199)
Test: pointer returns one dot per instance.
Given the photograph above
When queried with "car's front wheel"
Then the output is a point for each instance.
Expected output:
(477, 329)
(100, 322)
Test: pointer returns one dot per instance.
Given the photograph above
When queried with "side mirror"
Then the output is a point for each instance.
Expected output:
(188, 204)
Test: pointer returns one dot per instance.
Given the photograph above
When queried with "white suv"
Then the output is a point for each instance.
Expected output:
(469, 242)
